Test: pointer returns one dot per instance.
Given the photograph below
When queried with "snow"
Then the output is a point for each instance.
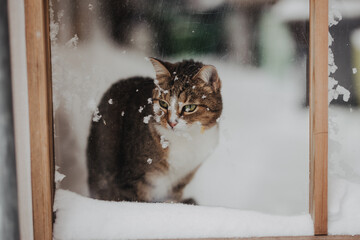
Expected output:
(292, 10)
(246, 171)
(164, 143)
(330, 39)
(343, 91)
(332, 66)
(344, 167)
(344, 171)
(347, 8)
(334, 89)
(58, 176)
(147, 119)
(344, 207)
(230, 178)
(79, 217)
(96, 115)
(206, 5)
(91, 7)
(334, 14)
(257, 176)
(54, 26)
(73, 42)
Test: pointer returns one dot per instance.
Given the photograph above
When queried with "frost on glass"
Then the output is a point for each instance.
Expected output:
(344, 132)
(260, 51)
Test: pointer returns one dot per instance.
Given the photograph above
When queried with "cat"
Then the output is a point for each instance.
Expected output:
(153, 135)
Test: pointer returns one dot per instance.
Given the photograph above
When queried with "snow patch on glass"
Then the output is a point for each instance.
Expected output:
(164, 143)
(334, 89)
(73, 42)
(96, 115)
(147, 119)
(58, 176)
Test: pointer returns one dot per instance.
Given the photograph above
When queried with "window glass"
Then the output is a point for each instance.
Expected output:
(344, 133)
(260, 52)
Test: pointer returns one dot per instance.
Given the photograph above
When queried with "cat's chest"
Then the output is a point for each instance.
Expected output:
(185, 153)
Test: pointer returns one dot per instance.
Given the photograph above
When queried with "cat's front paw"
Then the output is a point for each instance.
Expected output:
(189, 201)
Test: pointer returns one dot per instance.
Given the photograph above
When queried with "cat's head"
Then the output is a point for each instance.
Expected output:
(187, 94)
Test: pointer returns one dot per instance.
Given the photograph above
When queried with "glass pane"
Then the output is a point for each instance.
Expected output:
(344, 132)
(252, 156)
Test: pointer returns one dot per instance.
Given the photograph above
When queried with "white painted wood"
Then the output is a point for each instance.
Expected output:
(21, 116)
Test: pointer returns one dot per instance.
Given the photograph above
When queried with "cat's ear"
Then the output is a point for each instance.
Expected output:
(162, 73)
(208, 74)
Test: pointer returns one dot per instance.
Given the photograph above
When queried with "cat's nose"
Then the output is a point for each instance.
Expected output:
(172, 124)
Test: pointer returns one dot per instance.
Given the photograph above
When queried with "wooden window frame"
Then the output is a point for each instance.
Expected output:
(41, 118)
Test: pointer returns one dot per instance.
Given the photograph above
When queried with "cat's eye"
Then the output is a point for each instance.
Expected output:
(189, 108)
(163, 104)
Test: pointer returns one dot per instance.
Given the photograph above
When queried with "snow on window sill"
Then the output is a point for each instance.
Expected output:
(78, 217)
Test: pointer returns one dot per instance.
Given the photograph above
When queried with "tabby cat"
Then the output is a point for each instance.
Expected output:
(152, 135)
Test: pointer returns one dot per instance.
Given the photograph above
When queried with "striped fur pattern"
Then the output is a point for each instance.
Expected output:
(154, 133)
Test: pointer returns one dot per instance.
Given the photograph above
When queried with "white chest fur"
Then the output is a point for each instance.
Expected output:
(187, 150)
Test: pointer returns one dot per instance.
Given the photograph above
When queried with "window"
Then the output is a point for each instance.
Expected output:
(317, 150)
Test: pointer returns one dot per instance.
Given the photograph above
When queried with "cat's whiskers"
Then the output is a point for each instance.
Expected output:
(182, 124)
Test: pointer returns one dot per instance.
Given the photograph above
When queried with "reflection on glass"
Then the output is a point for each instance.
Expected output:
(259, 49)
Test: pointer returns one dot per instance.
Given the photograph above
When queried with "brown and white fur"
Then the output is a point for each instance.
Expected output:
(155, 134)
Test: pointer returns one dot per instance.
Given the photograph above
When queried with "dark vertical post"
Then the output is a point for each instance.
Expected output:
(9, 227)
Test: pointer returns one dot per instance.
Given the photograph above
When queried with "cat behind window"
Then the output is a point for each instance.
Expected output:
(154, 134)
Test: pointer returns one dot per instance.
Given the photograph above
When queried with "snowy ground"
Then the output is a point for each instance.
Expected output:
(260, 165)
(94, 219)
(344, 136)
(264, 131)
(344, 171)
